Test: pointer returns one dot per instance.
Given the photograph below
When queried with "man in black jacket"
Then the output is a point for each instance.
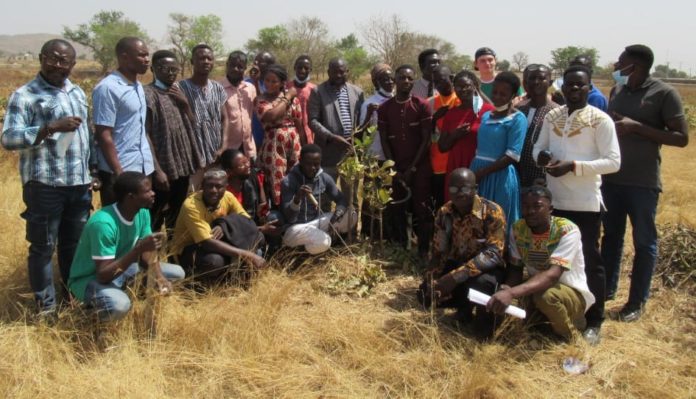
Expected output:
(301, 193)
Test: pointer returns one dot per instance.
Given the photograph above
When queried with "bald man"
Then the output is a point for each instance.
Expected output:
(334, 108)
(466, 251)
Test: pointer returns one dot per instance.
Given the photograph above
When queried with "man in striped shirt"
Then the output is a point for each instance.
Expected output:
(46, 122)
(334, 108)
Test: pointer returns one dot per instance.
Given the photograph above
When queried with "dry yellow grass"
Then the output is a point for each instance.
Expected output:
(286, 336)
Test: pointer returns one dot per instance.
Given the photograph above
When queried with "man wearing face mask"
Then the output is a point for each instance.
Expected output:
(301, 83)
(647, 114)
(383, 81)
(169, 125)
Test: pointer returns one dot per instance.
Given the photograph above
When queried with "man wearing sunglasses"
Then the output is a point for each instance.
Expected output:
(466, 251)
(46, 122)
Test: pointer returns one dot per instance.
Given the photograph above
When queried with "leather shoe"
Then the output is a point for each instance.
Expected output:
(591, 335)
(629, 315)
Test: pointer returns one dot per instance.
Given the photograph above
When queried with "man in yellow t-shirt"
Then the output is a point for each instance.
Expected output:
(201, 248)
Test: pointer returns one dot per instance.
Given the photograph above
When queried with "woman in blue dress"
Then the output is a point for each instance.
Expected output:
(499, 145)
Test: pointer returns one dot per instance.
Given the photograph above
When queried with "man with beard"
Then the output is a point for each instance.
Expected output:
(120, 112)
(46, 122)
(383, 80)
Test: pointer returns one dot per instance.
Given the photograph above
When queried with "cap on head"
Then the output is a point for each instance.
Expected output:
(483, 51)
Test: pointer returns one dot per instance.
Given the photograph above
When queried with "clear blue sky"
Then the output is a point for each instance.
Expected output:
(535, 27)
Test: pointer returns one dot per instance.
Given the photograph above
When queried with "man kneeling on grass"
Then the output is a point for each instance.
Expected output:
(115, 243)
(301, 200)
(466, 251)
(213, 231)
(551, 249)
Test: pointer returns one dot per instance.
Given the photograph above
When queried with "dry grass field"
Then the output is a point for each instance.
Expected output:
(289, 335)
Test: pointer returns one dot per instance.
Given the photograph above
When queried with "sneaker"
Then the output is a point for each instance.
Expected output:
(629, 314)
(591, 335)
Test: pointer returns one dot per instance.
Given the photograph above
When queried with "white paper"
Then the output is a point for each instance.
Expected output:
(63, 141)
(480, 298)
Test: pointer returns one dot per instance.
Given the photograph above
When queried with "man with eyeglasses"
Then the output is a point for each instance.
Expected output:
(46, 122)
(577, 144)
(119, 118)
(169, 126)
(466, 251)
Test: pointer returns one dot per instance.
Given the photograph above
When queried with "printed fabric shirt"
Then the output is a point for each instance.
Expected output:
(560, 246)
(172, 134)
(107, 235)
(303, 94)
(527, 166)
(121, 105)
(206, 103)
(461, 237)
(62, 159)
(193, 222)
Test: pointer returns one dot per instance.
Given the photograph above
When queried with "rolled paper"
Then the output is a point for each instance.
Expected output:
(482, 299)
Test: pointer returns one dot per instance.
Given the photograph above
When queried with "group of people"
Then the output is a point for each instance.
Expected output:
(497, 175)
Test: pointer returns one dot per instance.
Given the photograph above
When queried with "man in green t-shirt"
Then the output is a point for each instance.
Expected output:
(115, 242)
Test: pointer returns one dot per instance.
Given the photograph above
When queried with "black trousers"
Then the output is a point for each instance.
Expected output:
(590, 226)
(167, 204)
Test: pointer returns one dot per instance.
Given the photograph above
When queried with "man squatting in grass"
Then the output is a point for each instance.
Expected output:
(213, 231)
(115, 243)
(550, 248)
(466, 251)
(46, 122)
(301, 200)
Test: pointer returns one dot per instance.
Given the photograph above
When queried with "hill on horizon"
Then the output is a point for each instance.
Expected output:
(31, 43)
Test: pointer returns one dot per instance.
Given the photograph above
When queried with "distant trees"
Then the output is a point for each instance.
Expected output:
(520, 60)
(503, 65)
(101, 34)
(186, 31)
(560, 57)
(391, 40)
(664, 71)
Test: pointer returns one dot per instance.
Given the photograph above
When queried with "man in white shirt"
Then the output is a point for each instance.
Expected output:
(578, 144)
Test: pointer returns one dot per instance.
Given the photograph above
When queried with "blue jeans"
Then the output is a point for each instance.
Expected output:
(55, 216)
(111, 302)
(640, 205)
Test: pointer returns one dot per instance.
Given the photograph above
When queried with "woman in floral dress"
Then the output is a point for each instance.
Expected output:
(280, 114)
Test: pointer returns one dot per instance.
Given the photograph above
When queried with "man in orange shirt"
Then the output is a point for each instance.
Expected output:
(440, 103)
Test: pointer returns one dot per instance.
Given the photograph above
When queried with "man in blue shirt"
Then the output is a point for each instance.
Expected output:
(119, 117)
(46, 122)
